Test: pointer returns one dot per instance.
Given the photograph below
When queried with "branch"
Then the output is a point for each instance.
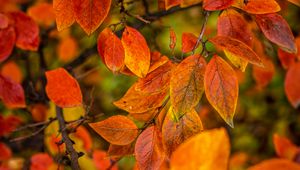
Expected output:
(69, 143)
(200, 37)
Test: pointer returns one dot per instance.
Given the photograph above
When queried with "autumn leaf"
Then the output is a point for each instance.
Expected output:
(221, 88)
(114, 53)
(137, 53)
(285, 148)
(173, 39)
(27, 31)
(157, 60)
(292, 85)
(62, 88)
(189, 41)
(42, 13)
(277, 30)
(213, 5)
(263, 76)
(5, 152)
(4, 21)
(38, 112)
(258, 6)
(11, 93)
(8, 124)
(187, 86)
(118, 151)
(83, 134)
(186, 3)
(237, 48)
(149, 150)
(13, 71)
(296, 2)
(286, 59)
(64, 12)
(7, 42)
(90, 14)
(40, 161)
(276, 164)
(118, 130)
(208, 150)
(67, 49)
(101, 42)
(176, 130)
(101, 161)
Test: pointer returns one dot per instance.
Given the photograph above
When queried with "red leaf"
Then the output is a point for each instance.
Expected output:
(258, 6)
(40, 161)
(292, 84)
(101, 160)
(4, 21)
(277, 30)
(12, 70)
(7, 42)
(8, 124)
(286, 59)
(101, 42)
(213, 5)
(149, 150)
(189, 41)
(27, 31)
(264, 75)
(276, 164)
(5, 152)
(285, 148)
(42, 13)
(64, 11)
(11, 93)
(90, 14)
(172, 39)
(62, 88)
(137, 53)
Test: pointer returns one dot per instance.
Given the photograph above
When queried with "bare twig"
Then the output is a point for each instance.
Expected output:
(65, 136)
(200, 37)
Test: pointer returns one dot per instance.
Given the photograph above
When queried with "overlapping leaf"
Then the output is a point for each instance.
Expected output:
(208, 150)
(292, 85)
(221, 88)
(286, 59)
(118, 130)
(276, 164)
(186, 85)
(264, 75)
(171, 3)
(189, 41)
(285, 148)
(62, 88)
(176, 130)
(149, 151)
(137, 53)
(277, 30)
(7, 42)
(237, 48)
(213, 5)
(258, 6)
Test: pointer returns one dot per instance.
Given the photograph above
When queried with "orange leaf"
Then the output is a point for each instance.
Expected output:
(135, 101)
(118, 130)
(208, 150)
(276, 164)
(187, 86)
(11, 93)
(4, 21)
(118, 151)
(7, 42)
(296, 2)
(176, 130)
(101, 42)
(292, 84)
(137, 53)
(173, 39)
(12, 70)
(27, 31)
(39, 112)
(67, 49)
(285, 148)
(42, 13)
(62, 88)
(277, 30)
(91, 14)
(221, 88)
(258, 6)
(64, 12)
(149, 150)
(263, 76)
(171, 3)
(5, 152)
(286, 59)
(83, 134)
(189, 41)
(101, 161)
(213, 5)
(186, 3)
(157, 60)
(237, 48)
(40, 161)
(114, 53)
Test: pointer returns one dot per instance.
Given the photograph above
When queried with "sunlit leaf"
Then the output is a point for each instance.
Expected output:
(137, 53)
(64, 12)
(11, 93)
(276, 164)
(101, 160)
(237, 48)
(118, 130)
(258, 6)
(292, 84)
(149, 150)
(27, 31)
(277, 30)
(176, 130)
(62, 88)
(189, 42)
(186, 87)
(221, 88)
(42, 13)
(208, 150)
(213, 5)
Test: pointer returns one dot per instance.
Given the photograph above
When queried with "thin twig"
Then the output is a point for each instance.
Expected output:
(200, 37)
